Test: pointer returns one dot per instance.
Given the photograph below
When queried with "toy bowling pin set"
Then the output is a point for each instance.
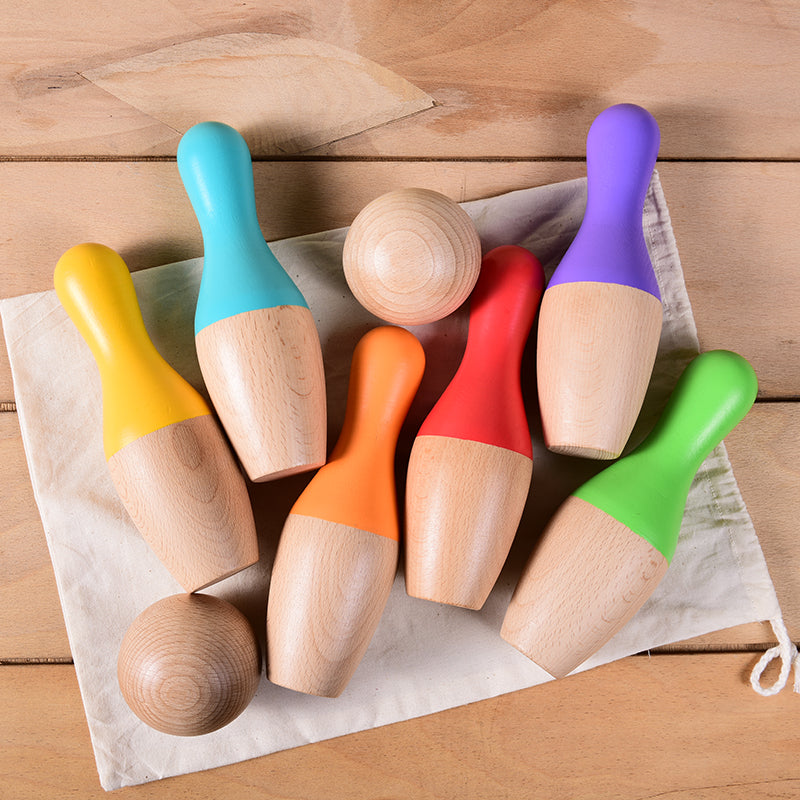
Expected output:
(411, 257)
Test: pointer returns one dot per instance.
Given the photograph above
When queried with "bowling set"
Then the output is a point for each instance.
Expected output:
(470, 468)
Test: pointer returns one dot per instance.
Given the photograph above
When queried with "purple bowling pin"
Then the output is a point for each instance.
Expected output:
(600, 320)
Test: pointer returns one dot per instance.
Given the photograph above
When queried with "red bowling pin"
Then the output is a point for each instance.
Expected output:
(471, 463)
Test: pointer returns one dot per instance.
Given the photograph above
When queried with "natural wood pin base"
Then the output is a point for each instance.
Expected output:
(587, 577)
(329, 586)
(596, 348)
(264, 373)
(464, 501)
(183, 490)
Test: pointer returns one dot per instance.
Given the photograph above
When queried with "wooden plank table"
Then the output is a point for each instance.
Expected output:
(341, 102)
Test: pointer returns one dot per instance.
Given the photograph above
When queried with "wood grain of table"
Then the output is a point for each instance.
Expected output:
(471, 98)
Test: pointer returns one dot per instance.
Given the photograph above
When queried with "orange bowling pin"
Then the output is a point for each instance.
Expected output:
(168, 458)
(337, 556)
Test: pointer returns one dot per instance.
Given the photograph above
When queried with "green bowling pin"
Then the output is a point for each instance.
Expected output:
(611, 541)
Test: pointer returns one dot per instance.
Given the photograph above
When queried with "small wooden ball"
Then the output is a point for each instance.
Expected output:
(189, 664)
(412, 256)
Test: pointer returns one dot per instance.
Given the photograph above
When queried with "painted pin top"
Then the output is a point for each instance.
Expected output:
(600, 321)
(257, 342)
(168, 459)
(338, 551)
(611, 541)
(471, 463)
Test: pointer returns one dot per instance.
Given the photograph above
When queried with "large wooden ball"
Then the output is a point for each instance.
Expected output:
(189, 664)
(412, 256)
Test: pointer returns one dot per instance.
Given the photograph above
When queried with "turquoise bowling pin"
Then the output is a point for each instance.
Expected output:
(600, 320)
(257, 343)
(611, 541)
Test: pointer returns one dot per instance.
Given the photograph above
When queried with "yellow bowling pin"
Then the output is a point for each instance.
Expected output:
(167, 456)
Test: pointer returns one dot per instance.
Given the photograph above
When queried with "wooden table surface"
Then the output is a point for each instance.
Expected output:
(344, 101)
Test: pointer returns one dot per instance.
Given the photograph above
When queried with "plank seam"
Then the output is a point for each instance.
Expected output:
(395, 159)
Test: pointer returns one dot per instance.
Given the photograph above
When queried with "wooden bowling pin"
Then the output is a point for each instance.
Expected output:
(168, 458)
(600, 321)
(471, 463)
(610, 542)
(337, 555)
(189, 664)
(257, 342)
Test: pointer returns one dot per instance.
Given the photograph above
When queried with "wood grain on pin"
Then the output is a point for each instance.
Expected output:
(257, 342)
(264, 421)
(600, 320)
(337, 555)
(609, 545)
(412, 256)
(464, 502)
(471, 463)
(588, 611)
(592, 405)
(169, 461)
(189, 664)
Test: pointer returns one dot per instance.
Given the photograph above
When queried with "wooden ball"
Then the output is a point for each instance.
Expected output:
(189, 664)
(412, 256)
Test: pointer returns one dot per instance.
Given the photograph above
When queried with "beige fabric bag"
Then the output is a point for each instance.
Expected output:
(424, 657)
